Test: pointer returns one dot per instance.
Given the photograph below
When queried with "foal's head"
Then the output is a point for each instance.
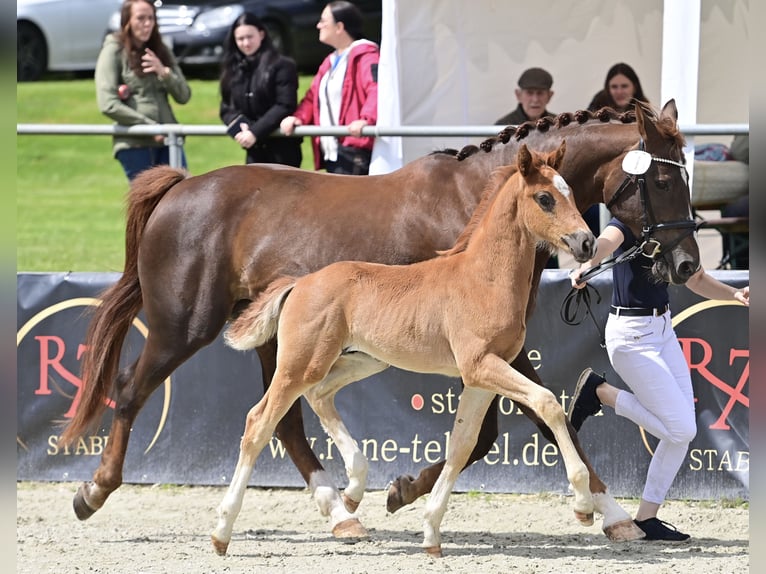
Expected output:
(547, 206)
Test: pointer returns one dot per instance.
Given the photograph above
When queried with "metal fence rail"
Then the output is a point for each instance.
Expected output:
(176, 132)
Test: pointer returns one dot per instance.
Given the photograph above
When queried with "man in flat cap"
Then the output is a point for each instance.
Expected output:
(534, 93)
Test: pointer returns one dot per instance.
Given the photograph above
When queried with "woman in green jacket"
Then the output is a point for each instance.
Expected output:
(135, 73)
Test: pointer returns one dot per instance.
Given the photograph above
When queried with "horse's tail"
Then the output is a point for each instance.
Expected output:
(258, 323)
(120, 304)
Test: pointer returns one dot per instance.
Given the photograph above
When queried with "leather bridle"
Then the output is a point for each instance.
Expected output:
(636, 164)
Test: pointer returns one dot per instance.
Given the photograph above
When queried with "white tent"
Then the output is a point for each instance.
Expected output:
(454, 62)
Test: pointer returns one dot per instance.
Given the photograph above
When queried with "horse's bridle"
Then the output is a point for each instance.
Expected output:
(636, 164)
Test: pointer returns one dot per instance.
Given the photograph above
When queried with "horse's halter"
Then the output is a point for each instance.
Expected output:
(635, 164)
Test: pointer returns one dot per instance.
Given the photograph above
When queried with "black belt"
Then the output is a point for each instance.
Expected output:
(638, 311)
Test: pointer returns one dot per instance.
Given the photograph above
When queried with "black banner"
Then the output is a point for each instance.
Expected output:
(189, 430)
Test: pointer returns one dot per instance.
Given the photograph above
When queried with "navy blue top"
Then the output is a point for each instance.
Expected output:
(633, 284)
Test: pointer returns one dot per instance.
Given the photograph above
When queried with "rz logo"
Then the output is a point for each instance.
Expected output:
(699, 355)
(701, 366)
(55, 363)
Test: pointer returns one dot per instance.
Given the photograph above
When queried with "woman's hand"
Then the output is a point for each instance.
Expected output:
(355, 127)
(151, 63)
(245, 137)
(574, 277)
(287, 125)
(743, 295)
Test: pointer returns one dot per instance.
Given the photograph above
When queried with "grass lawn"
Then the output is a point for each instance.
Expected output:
(70, 190)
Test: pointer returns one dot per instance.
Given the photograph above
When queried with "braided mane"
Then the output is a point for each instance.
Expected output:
(545, 123)
(665, 125)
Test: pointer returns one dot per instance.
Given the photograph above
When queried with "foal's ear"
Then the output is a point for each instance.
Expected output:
(524, 160)
(556, 158)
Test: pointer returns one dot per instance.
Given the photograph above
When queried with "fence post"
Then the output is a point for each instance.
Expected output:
(175, 142)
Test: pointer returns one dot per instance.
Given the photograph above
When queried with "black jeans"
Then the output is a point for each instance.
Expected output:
(351, 161)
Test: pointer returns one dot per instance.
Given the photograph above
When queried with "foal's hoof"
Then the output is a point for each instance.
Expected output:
(350, 504)
(399, 493)
(350, 528)
(81, 508)
(585, 518)
(434, 551)
(623, 531)
(220, 547)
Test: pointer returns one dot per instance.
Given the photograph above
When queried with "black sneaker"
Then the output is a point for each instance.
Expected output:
(657, 529)
(585, 401)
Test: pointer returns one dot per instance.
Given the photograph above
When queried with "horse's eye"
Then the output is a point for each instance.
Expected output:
(661, 184)
(545, 200)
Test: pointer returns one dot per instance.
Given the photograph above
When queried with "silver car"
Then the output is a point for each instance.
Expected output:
(60, 35)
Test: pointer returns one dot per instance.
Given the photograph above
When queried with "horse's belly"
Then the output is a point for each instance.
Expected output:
(416, 360)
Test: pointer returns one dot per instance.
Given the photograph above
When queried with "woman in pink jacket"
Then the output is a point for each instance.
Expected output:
(344, 92)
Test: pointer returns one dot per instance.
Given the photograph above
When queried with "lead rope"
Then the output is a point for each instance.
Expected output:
(576, 298)
(572, 304)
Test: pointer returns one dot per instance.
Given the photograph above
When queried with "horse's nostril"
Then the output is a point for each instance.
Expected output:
(686, 269)
(592, 245)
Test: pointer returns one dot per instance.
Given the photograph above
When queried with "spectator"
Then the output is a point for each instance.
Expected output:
(533, 94)
(258, 89)
(621, 87)
(135, 72)
(344, 92)
(644, 351)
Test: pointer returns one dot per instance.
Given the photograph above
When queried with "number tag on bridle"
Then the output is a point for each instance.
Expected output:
(636, 162)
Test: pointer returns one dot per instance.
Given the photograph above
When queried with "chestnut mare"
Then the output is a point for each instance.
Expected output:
(227, 234)
(462, 314)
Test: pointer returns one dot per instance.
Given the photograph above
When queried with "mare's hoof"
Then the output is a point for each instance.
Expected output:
(81, 508)
(397, 493)
(350, 528)
(434, 551)
(624, 531)
(220, 547)
(585, 518)
(350, 504)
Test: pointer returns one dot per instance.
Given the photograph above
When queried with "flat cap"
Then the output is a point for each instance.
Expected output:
(535, 79)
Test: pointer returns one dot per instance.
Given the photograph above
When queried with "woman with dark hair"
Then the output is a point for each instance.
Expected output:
(344, 92)
(258, 89)
(134, 74)
(621, 87)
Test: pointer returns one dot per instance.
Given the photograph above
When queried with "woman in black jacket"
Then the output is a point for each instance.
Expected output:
(258, 88)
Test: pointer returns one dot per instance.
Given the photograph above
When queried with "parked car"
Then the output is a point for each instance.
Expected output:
(195, 29)
(60, 35)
